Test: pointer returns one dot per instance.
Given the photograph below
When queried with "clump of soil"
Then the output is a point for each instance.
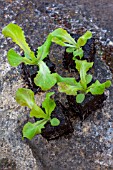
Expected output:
(88, 106)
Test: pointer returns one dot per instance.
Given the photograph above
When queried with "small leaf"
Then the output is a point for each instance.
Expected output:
(70, 49)
(80, 98)
(54, 122)
(49, 104)
(17, 35)
(59, 42)
(25, 97)
(14, 58)
(43, 50)
(97, 88)
(88, 78)
(82, 67)
(44, 78)
(37, 112)
(69, 89)
(78, 52)
(87, 35)
(32, 129)
(107, 83)
(63, 36)
(83, 39)
(81, 42)
(67, 80)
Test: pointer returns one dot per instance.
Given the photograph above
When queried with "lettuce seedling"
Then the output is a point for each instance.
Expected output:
(25, 97)
(44, 78)
(61, 37)
(81, 88)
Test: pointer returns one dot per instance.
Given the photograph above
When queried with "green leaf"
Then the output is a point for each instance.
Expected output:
(67, 80)
(59, 42)
(83, 39)
(87, 35)
(14, 58)
(37, 112)
(43, 50)
(83, 66)
(70, 49)
(88, 78)
(107, 83)
(54, 122)
(25, 97)
(17, 35)
(63, 36)
(79, 52)
(80, 98)
(69, 89)
(97, 88)
(48, 104)
(44, 78)
(32, 129)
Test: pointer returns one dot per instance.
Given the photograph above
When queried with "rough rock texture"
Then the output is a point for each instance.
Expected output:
(91, 145)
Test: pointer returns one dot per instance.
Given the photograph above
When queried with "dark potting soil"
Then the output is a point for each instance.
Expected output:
(89, 53)
(88, 106)
(108, 56)
(64, 128)
(29, 72)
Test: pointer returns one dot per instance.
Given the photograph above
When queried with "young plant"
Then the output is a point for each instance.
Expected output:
(25, 97)
(81, 88)
(61, 37)
(44, 78)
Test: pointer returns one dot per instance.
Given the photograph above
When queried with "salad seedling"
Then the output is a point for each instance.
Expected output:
(25, 97)
(81, 88)
(61, 37)
(44, 78)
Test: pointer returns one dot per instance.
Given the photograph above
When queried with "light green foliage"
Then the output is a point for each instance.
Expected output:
(98, 88)
(54, 122)
(17, 35)
(61, 37)
(83, 39)
(79, 89)
(44, 78)
(83, 67)
(80, 98)
(68, 80)
(43, 50)
(25, 97)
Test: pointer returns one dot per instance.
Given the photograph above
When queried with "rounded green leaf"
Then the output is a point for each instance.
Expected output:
(80, 98)
(107, 83)
(54, 122)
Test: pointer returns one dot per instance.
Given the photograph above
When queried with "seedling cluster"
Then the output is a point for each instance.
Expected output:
(46, 80)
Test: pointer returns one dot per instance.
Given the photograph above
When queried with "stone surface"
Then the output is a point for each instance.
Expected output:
(91, 145)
